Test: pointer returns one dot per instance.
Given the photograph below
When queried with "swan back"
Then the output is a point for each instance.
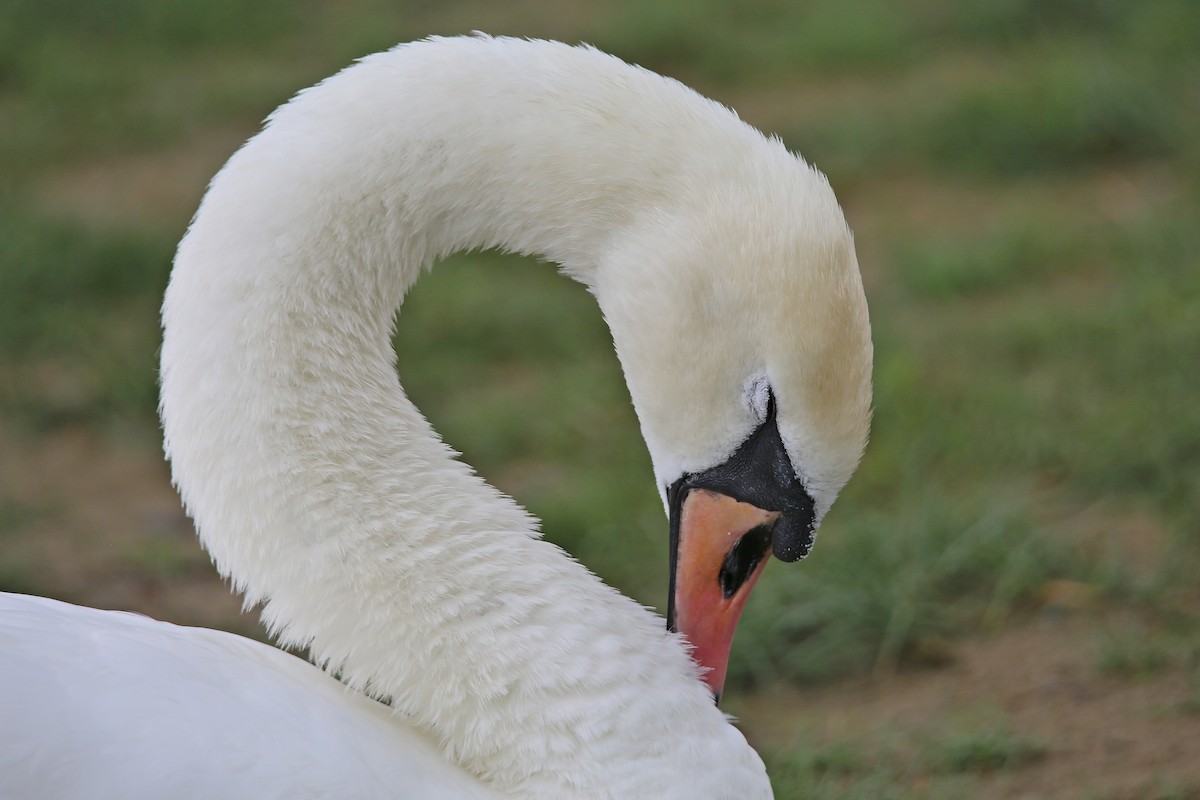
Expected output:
(207, 713)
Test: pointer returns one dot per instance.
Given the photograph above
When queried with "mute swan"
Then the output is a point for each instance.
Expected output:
(727, 275)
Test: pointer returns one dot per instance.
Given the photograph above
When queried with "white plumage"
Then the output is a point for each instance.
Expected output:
(106, 704)
(720, 261)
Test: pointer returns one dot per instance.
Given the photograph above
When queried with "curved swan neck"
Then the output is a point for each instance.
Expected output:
(325, 495)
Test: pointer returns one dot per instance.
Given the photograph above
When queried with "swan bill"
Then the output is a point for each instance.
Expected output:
(725, 523)
(723, 546)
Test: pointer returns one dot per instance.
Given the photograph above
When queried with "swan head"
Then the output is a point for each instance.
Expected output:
(739, 318)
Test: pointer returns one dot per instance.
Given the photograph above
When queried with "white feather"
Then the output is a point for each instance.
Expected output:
(105, 704)
(322, 492)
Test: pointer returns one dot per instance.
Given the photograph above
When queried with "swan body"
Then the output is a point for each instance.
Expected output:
(727, 275)
(208, 715)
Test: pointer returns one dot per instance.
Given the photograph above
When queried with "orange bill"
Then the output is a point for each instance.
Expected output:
(722, 548)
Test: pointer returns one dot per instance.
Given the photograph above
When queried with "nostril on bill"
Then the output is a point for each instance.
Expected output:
(742, 560)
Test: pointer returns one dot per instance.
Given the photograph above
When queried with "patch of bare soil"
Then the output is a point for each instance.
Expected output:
(159, 189)
(100, 525)
(1103, 737)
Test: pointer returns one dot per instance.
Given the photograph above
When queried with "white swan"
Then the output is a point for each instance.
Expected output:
(727, 275)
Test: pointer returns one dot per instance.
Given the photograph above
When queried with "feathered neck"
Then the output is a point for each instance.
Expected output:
(326, 496)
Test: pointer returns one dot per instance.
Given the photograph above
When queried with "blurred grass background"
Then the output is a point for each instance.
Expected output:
(1024, 181)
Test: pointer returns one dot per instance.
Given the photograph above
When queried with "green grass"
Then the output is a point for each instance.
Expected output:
(947, 758)
(17, 573)
(886, 588)
(1011, 89)
(723, 43)
(982, 751)
(1141, 648)
(78, 320)
(1035, 356)
(1132, 652)
(162, 557)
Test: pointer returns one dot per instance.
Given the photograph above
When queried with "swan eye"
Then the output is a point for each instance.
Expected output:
(760, 398)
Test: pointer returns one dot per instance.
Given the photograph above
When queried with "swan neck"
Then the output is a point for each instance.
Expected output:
(324, 494)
